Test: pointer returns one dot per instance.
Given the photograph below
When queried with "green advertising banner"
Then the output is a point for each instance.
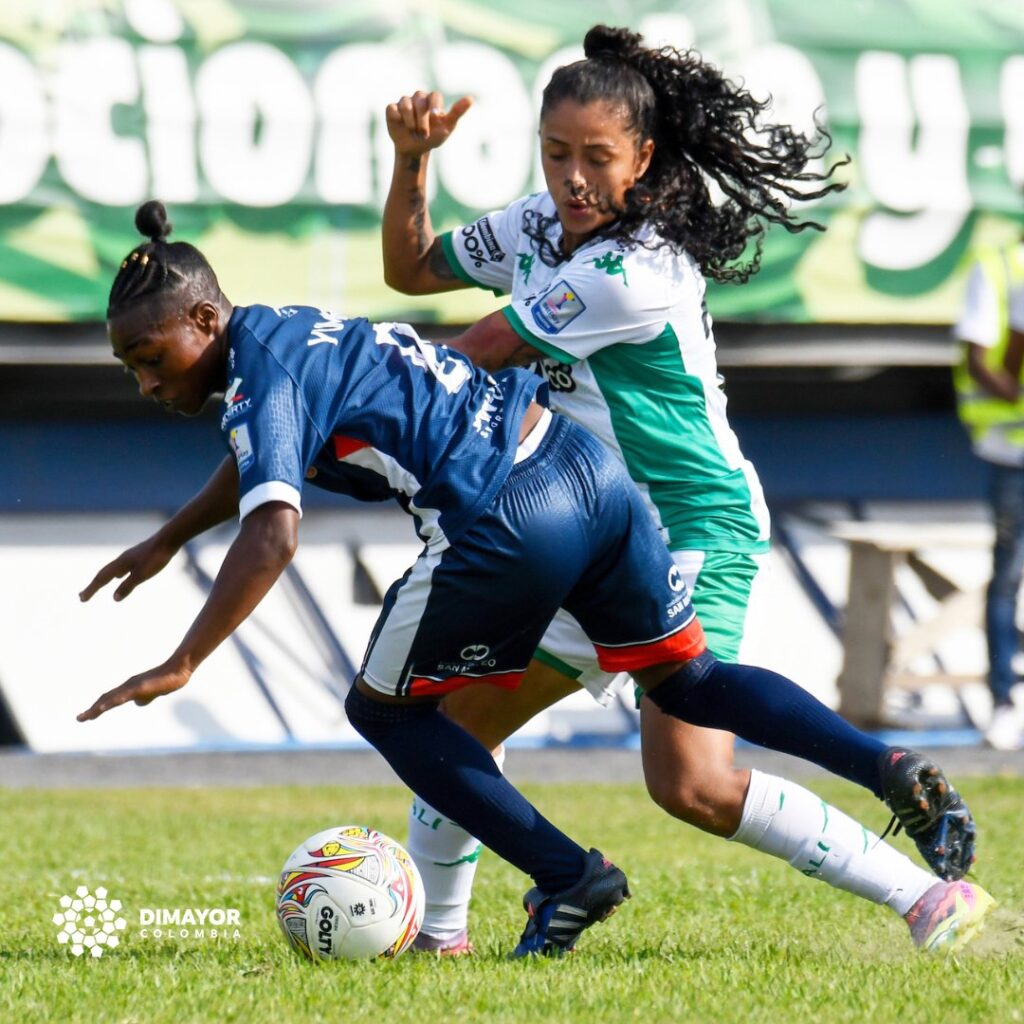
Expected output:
(260, 124)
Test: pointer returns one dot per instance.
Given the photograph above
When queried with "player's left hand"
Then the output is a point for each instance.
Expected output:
(141, 689)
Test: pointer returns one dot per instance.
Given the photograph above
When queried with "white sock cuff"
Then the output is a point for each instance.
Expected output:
(764, 796)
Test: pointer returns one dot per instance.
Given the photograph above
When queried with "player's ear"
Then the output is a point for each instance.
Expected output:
(644, 152)
(206, 316)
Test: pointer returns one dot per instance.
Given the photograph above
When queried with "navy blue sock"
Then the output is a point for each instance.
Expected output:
(770, 710)
(442, 763)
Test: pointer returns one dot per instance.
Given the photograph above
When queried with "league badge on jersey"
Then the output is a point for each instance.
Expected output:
(557, 308)
(241, 445)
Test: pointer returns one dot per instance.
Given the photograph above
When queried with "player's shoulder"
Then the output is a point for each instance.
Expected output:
(274, 325)
(646, 268)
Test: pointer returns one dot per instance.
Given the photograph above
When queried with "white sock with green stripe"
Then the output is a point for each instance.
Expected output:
(789, 822)
(446, 856)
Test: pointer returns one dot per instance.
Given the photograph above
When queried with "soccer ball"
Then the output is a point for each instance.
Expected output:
(350, 893)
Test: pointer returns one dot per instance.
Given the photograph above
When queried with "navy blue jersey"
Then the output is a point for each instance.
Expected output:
(369, 410)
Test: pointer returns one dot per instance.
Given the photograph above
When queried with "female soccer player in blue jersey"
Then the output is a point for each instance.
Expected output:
(605, 275)
(500, 489)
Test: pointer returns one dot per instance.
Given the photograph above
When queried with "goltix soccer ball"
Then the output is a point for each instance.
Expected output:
(350, 893)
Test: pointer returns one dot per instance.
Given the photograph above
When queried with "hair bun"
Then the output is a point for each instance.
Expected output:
(151, 221)
(603, 41)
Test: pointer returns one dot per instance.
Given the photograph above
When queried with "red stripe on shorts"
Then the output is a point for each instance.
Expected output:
(428, 687)
(346, 445)
(681, 646)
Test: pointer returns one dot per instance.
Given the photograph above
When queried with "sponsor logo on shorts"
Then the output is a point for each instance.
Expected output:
(474, 652)
(557, 308)
(675, 579)
(241, 445)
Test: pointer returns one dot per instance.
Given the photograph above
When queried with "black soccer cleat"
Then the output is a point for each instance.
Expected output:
(930, 810)
(557, 921)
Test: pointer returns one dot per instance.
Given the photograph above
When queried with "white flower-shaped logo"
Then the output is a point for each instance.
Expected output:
(89, 922)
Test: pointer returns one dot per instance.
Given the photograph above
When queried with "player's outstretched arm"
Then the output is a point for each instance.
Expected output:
(214, 504)
(493, 344)
(414, 262)
(262, 550)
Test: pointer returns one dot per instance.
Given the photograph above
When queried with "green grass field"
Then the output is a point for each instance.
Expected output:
(714, 931)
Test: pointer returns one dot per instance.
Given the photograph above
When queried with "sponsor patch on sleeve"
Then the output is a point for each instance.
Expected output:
(494, 251)
(557, 308)
(241, 445)
(480, 243)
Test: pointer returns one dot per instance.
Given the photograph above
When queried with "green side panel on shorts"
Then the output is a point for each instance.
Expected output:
(541, 344)
(721, 596)
(557, 664)
(660, 418)
(457, 269)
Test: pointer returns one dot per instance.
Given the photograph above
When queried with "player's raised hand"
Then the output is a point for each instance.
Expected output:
(141, 689)
(419, 122)
(138, 564)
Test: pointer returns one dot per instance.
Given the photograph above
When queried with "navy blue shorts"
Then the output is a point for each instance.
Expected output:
(567, 530)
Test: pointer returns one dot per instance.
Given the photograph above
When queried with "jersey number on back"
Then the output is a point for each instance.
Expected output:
(451, 373)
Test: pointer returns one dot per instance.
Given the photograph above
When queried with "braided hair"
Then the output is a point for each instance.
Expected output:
(157, 269)
(704, 127)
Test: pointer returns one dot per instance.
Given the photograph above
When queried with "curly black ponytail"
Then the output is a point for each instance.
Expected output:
(159, 268)
(705, 128)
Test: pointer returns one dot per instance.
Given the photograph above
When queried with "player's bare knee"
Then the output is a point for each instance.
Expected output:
(710, 802)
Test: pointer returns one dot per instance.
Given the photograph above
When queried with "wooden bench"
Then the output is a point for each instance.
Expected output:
(873, 657)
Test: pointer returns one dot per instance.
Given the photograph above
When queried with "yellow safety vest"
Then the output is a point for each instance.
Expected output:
(979, 411)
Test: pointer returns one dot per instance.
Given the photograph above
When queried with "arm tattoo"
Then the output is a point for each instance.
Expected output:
(418, 208)
(414, 164)
(437, 262)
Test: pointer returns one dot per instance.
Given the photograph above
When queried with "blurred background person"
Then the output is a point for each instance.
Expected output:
(991, 408)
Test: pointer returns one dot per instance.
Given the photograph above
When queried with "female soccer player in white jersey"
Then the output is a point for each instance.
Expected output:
(605, 272)
(498, 488)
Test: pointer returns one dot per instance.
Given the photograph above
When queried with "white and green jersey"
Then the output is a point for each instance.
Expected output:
(629, 353)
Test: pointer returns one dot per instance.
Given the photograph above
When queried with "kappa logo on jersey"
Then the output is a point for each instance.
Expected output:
(611, 264)
(241, 445)
(525, 265)
(557, 308)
